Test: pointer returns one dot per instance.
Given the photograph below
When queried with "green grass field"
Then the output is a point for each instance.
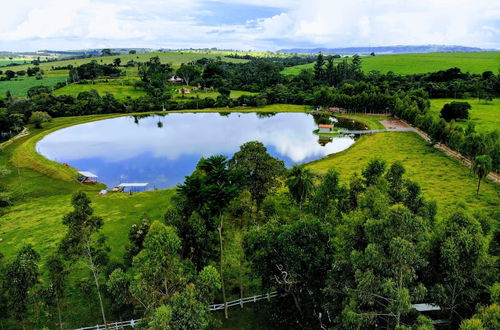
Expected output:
(5, 62)
(422, 63)
(442, 179)
(121, 92)
(174, 58)
(200, 94)
(485, 116)
(19, 87)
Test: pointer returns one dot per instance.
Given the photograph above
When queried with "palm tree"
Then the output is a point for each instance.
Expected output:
(300, 183)
(481, 166)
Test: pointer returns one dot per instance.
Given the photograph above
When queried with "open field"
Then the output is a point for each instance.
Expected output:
(121, 92)
(485, 116)
(422, 63)
(6, 61)
(19, 86)
(174, 58)
(200, 94)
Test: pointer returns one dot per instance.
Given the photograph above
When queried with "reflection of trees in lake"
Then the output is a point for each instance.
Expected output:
(265, 114)
(137, 118)
(322, 119)
(224, 114)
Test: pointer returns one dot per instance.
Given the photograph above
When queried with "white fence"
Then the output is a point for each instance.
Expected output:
(215, 307)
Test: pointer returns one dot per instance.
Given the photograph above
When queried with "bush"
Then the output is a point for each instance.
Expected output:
(39, 117)
(455, 110)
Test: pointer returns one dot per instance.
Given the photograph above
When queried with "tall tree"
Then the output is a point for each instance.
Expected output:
(300, 183)
(260, 169)
(319, 70)
(57, 277)
(462, 268)
(80, 242)
(158, 267)
(21, 275)
(373, 170)
(481, 166)
(188, 72)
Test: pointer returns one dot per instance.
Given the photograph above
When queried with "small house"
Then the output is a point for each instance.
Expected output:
(184, 91)
(175, 79)
(325, 128)
(87, 177)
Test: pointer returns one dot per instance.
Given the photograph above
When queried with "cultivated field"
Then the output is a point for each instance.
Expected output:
(485, 116)
(422, 63)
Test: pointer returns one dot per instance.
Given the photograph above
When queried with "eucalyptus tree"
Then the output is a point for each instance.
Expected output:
(57, 275)
(21, 275)
(80, 241)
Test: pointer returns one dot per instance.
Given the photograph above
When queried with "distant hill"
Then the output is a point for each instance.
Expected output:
(386, 50)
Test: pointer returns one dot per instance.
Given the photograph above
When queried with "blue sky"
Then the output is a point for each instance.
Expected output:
(247, 24)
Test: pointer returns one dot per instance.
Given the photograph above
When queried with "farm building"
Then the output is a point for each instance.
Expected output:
(325, 128)
(175, 79)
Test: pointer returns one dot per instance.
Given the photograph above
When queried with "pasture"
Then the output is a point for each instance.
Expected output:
(174, 58)
(19, 86)
(120, 92)
(484, 115)
(475, 62)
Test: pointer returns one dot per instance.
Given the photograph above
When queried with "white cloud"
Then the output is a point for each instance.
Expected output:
(67, 24)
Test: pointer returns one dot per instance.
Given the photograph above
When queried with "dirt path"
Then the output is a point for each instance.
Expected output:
(397, 124)
(23, 133)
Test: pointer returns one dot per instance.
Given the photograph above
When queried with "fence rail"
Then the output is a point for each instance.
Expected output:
(212, 308)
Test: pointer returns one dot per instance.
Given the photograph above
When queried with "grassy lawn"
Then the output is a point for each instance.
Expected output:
(121, 92)
(476, 62)
(486, 116)
(442, 179)
(19, 87)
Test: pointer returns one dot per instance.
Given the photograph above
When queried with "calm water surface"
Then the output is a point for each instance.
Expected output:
(162, 150)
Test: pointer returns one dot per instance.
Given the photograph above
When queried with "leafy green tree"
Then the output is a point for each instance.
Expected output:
(158, 267)
(21, 275)
(39, 117)
(394, 177)
(260, 169)
(300, 183)
(184, 311)
(118, 287)
(188, 72)
(293, 257)
(79, 241)
(329, 199)
(481, 166)
(373, 171)
(136, 236)
(455, 110)
(117, 61)
(486, 318)
(375, 268)
(57, 276)
(462, 267)
(208, 283)
(319, 70)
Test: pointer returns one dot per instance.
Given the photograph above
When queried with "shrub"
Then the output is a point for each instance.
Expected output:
(39, 117)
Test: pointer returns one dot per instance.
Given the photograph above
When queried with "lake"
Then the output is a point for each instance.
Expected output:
(162, 150)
